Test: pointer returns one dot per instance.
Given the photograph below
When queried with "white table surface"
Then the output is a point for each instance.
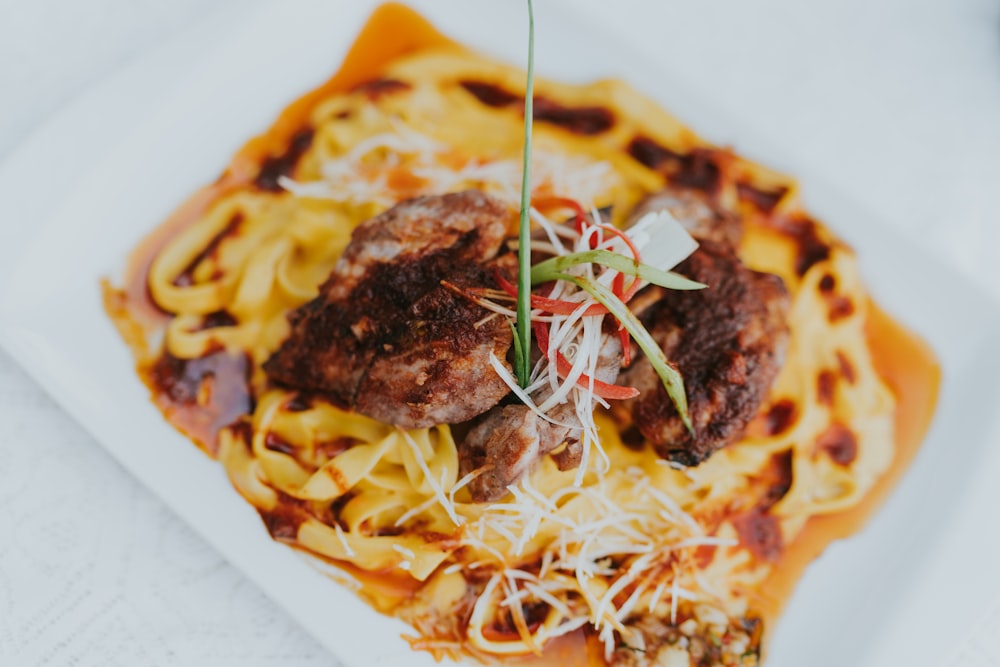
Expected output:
(895, 102)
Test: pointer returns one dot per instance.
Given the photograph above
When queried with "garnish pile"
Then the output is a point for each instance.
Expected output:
(593, 271)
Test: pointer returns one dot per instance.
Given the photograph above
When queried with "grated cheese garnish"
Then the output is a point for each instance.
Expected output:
(648, 528)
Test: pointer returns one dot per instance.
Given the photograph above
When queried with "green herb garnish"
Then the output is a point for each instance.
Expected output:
(555, 269)
(522, 361)
(671, 378)
(552, 269)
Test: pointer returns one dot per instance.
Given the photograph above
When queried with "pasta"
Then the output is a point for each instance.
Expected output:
(649, 562)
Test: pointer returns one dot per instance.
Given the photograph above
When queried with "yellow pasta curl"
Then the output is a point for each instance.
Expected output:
(640, 537)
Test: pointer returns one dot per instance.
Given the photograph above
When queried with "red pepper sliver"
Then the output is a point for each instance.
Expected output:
(611, 229)
(554, 306)
(626, 347)
(579, 213)
(611, 392)
(618, 285)
(619, 282)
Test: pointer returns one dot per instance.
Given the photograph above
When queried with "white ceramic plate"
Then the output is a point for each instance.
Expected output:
(106, 170)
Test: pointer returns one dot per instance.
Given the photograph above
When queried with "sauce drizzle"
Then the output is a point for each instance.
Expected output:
(274, 167)
(902, 359)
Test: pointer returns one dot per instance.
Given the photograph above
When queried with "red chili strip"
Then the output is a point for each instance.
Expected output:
(554, 306)
(611, 392)
(632, 290)
(618, 287)
(580, 214)
(626, 346)
(614, 231)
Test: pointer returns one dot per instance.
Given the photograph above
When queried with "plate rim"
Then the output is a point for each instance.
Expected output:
(12, 339)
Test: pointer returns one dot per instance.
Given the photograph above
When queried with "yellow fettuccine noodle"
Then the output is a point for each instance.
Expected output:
(642, 537)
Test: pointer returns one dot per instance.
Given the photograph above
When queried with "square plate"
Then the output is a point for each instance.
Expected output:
(108, 168)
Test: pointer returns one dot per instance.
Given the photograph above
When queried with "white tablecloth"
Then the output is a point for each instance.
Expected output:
(896, 102)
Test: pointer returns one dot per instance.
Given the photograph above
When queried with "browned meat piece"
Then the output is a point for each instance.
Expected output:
(505, 446)
(728, 341)
(464, 226)
(385, 337)
(609, 364)
(694, 211)
(436, 369)
(510, 440)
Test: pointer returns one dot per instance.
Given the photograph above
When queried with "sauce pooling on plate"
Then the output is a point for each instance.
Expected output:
(623, 557)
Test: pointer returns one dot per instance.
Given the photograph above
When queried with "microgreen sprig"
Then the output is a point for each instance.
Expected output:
(522, 362)
(669, 375)
(554, 267)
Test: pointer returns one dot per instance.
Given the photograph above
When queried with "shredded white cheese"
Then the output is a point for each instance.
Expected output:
(629, 544)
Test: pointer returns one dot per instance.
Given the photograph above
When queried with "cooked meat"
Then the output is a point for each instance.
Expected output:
(435, 369)
(384, 336)
(510, 440)
(694, 211)
(464, 226)
(728, 341)
(505, 446)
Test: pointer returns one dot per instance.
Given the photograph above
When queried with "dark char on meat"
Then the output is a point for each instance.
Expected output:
(728, 340)
(385, 338)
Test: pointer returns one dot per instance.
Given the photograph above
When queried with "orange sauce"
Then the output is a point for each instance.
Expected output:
(905, 362)
(138, 300)
(393, 30)
(385, 590)
(576, 649)
(908, 366)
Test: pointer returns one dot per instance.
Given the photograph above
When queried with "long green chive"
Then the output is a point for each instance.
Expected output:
(522, 364)
(552, 269)
(671, 378)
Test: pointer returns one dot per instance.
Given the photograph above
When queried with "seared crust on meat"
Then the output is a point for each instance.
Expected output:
(465, 226)
(437, 368)
(385, 337)
(728, 341)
